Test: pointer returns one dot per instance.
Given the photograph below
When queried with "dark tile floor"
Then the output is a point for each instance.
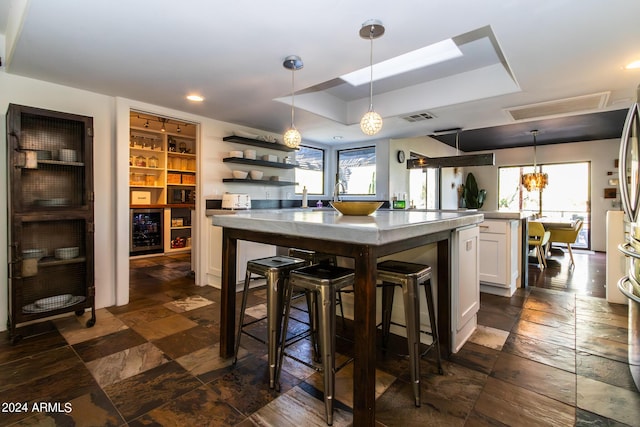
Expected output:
(553, 354)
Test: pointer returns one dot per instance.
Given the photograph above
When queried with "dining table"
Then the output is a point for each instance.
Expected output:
(362, 238)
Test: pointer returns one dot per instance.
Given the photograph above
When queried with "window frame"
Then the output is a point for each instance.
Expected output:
(323, 171)
(352, 149)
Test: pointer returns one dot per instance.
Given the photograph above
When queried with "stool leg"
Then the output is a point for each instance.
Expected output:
(412, 320)
(339, 298)
(243, 306)
(274, 322)
(327, 325)
(388, 291)
(434, 324)
(286, 302)
(312, 307)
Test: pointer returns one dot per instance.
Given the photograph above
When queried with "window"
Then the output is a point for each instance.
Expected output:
(310, 170)
(357, 170)
(423, 188)
(566, 195)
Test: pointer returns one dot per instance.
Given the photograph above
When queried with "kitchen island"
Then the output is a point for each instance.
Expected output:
(362, 238)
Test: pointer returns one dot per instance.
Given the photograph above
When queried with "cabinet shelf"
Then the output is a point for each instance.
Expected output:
(244, 161)
(258, 143)
(180, 170)
(60, 163)
(146, 168)
(179, 154)
(52, 262)
(146, 149)
(259, 181)
(159, 187)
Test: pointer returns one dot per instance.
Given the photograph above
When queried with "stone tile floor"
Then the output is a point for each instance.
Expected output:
(542, 357)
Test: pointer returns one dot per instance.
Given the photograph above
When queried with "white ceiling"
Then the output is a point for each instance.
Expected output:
(517, 52)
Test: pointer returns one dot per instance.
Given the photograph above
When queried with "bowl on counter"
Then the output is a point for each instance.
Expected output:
(356, 208)
(67, 253)
(240, 174)
(256, 174)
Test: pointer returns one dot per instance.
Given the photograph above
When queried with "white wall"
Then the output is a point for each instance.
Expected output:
(601, 154)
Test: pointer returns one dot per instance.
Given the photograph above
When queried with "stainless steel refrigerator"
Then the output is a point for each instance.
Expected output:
(629, 183)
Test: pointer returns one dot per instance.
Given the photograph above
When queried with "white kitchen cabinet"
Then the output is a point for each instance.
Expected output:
(465, 285)
(246, 251)
(499, 257)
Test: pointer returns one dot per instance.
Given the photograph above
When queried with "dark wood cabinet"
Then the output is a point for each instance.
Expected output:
(51, 220)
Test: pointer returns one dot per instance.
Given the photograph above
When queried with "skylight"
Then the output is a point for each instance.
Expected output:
(419, 58)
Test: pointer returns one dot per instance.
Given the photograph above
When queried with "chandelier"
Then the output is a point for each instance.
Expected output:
(535, 181)
(371, 122)
(292, 137)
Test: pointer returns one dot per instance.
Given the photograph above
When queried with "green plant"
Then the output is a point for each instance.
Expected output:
(473, 198)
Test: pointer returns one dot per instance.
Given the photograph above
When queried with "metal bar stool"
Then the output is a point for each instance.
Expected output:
(313, 257)
(323, 281)
(276, 270)
(409, 276)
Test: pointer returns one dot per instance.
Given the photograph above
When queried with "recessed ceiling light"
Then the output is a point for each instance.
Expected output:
(633, 65)
(337, 137)
(428, 55)
(195, 98)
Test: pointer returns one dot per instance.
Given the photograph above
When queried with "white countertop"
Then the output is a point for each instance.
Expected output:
(383, 226)
(506, 215)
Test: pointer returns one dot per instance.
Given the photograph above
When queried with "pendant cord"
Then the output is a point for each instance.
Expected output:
(293, 73)
(371, 71)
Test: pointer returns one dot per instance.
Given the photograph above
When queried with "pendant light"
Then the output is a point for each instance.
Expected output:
(292, 137)
(371, 122)
(452, 161)
(535, 181)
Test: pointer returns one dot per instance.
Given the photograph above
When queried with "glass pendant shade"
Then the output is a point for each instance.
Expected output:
(292, 138)
(371, 123)
(535, 181)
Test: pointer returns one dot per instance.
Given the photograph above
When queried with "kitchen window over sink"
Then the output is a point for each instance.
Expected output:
(310, 170)
(357, 170)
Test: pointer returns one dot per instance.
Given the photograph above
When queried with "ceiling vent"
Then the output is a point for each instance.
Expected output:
(418, 117)
(560, 107)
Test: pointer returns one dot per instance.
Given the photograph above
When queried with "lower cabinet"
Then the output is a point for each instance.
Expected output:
(465, 285)
(499, 257)
(246, 252)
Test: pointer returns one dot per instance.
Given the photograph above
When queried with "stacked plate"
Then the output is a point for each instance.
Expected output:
(52, 303)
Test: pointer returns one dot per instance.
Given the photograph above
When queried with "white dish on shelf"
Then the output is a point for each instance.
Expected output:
(34, 253)
(250, 154)
(53, 202)
(256, 174)
(67, 155)
(240, 174)
(67, 253)
(54, 301)
(237, 154)
(33, 308)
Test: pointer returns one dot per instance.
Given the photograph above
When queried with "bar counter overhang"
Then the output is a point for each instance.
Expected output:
(362, 238)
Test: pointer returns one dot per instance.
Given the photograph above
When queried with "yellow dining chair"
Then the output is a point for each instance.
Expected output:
(567, 236)
(538, 239)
